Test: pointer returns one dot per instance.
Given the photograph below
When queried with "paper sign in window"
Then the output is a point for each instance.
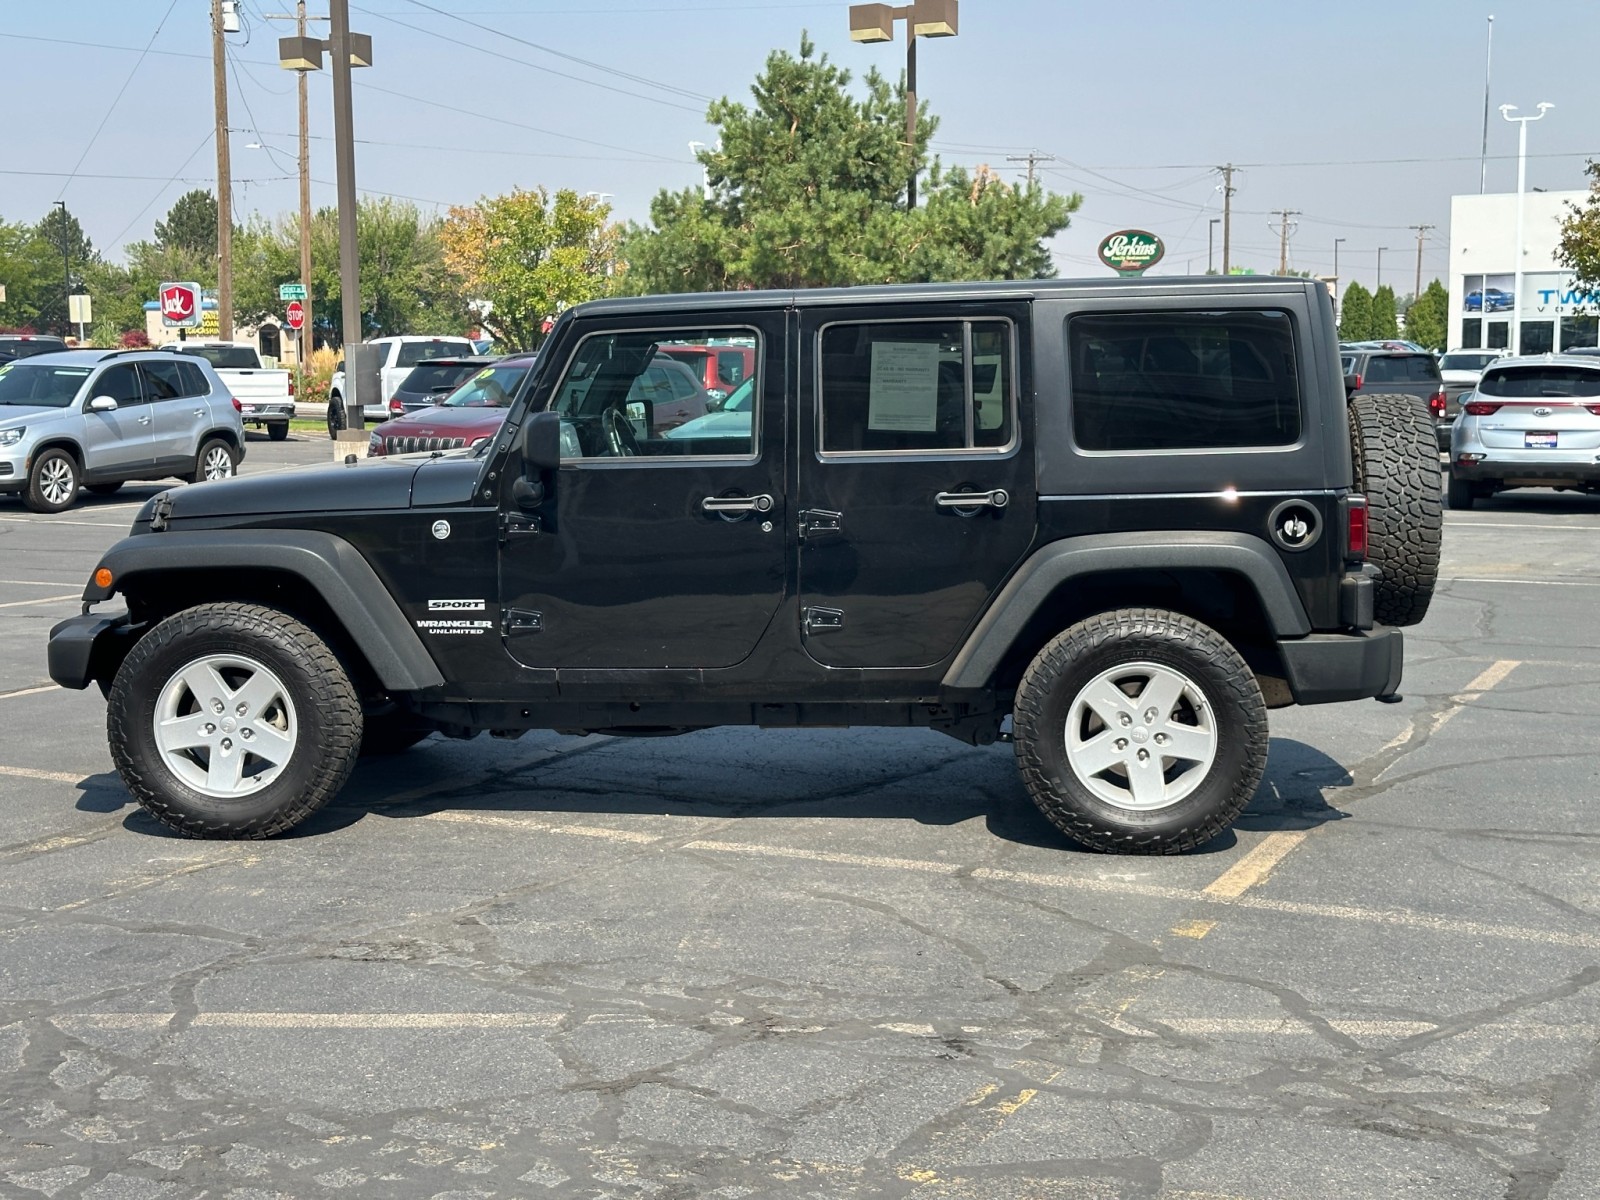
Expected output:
(905, 387)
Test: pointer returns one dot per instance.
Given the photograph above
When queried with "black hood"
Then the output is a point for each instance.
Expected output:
(374, 483)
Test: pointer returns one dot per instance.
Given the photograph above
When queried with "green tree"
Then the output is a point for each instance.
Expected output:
(1579, 247)
(1355, 314)
(808, 189)
(526, 255)
(190, 224)
(31, 277)
(56, 251)
(405, 287)
(1385, 323)
(1428, 318)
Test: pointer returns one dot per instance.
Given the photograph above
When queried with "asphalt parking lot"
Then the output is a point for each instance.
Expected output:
(826, 963)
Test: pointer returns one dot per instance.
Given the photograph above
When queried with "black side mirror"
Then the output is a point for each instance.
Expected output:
(541, 442)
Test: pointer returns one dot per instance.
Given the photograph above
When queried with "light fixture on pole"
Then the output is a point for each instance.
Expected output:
(1522, 183)
(347, 50)
(923, 18)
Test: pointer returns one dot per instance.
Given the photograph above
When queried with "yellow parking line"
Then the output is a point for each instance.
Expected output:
(41, 600)
(1257, 865)
(47, 776)
(33, 691)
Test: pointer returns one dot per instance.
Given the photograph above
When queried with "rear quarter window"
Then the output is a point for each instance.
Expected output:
(1183, 380)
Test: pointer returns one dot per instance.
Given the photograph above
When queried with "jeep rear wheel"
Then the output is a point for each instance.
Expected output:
(233, 721)
(1140, 732)
(1397, 467)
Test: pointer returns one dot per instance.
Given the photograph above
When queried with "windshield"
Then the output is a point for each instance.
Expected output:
(440, 378)
(229, 357)
(1534, 383)
(739, 401)
(1466, 362)
(491, 387)
(412, 353)
(38, 386)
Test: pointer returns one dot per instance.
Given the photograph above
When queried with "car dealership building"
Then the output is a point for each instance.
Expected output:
(1482, 282)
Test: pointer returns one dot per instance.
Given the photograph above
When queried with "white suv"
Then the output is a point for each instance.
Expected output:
(400, 354)
(98, 418)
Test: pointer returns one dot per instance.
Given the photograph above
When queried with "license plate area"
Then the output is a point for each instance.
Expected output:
(1536, 440)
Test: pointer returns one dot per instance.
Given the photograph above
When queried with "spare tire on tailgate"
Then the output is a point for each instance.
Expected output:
(1397, 466)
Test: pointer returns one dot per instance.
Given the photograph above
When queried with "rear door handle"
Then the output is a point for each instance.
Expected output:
(736, 504)
(998, 498)
(199, 412)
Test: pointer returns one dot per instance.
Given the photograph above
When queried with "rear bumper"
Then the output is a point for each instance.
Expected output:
(88, 648)
(1505, 466)
(1326, 667)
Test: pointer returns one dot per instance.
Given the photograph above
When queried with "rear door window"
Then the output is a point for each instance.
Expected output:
(412, 353)
(1184, 380)
(164, 380)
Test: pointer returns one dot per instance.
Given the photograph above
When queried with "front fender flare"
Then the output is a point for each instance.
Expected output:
(1095, 554)
(330, 565)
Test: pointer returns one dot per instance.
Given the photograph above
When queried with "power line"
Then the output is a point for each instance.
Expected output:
(162, 190)
(115, 100)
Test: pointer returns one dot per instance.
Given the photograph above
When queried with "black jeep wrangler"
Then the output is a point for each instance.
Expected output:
(1112, 521)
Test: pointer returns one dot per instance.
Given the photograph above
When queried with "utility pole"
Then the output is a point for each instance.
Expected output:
(1381, 249)
(1422, 230)
(308, 337)
(1283, 239)
(1227, 216)
(1031, 157)
(345, 178)
(219, 87)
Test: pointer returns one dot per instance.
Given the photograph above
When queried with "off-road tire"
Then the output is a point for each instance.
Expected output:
(1102, 642)
(278, 431)
(1459, 494)
(52, 470)
(329, 736)
(1396, 457)
(104, 489)
(335, 416)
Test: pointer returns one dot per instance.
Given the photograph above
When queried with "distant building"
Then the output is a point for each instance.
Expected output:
(270, 339)
(1483, 262)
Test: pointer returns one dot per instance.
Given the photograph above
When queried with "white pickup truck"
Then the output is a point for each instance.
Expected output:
(265, 395)
(400, 353)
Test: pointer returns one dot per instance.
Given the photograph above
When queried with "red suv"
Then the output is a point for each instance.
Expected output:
(718, 369)
(468, 415)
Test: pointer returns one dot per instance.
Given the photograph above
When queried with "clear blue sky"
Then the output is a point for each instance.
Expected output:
(1134, 99)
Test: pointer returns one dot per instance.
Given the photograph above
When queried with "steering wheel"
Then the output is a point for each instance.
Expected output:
(618, 433)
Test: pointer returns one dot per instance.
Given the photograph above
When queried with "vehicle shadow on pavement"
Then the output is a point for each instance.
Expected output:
(1291, 793)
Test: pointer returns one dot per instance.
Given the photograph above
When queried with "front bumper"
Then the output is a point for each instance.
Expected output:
(89, 648)
(1326, 667)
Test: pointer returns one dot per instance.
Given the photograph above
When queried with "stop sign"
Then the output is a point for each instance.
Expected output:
(297, 314)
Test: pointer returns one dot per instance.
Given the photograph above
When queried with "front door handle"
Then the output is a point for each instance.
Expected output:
(144, 420)
(998, 498)
(736, 504)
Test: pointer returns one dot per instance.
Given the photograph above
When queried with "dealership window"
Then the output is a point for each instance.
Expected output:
(1472, 335)
(623, 397)
(1538, 337)
(1183, 380)
(1499, 335)
(916, 386)
(1579, 331)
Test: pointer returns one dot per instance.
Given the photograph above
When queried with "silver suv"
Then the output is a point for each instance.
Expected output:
(98, 418)
(1532, 422)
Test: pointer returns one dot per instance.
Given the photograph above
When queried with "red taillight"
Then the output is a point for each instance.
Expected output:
(291, 389)
(1594, 408)
(237, 407)
(1355, 540)
(1480, 408)
(396, 407)
(1357, 378)
(1436, 403)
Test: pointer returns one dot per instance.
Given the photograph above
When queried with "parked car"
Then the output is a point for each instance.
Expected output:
(717, 369)
(429, 383)
(399, 355)
(1531, 422)
(1461, 370)
(733, 420)
(98, 418)
(1488, 300)
(1582, 350)
(1401, 372)
(265, 395)
(25, 345)
(471, 413)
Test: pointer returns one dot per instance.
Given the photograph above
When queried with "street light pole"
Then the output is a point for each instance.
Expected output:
(923, 18)
(1336, 242)
(344, 158)
(66, 272)
(1522, 182)
(308, 329)
(1381, 249)
(219, 87)
(1211, 241)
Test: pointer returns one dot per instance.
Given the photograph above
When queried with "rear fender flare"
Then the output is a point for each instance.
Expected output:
(328, 564)
(1080, 557)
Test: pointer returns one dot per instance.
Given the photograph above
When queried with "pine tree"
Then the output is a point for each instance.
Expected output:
(1385, 324)
(1355, 314)
(1428, 320)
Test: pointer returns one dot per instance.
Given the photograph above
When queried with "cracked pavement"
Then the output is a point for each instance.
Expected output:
(827, 963)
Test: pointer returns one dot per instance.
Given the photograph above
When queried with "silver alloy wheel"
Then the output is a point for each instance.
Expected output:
(217, 464)
(1141, 736)
(225, 726)
(58, 482)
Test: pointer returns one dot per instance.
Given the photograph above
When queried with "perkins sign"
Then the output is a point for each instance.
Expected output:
(1130, 251)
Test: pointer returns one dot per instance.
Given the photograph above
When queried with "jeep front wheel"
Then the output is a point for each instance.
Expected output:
(233, 721)
(1140, 732)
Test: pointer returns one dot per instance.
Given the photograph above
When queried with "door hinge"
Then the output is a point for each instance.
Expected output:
(516, 524)
(522, 620)
(818, 523)
(160, 512)
(822, 620)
